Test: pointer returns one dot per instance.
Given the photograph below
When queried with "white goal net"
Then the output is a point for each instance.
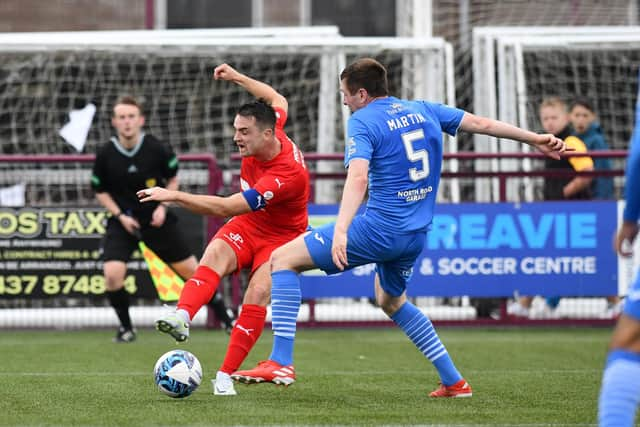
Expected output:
(44, 77)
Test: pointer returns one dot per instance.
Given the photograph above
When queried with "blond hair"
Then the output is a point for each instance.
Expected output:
(554, 101)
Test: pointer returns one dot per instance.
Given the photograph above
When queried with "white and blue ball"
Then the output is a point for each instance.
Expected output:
(178, 373)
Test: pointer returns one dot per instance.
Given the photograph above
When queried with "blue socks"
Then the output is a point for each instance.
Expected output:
(620, 393)
(417, 326)
(285, 304)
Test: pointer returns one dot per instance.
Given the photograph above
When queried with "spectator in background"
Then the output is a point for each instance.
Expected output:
(554, 117)
(587, 128)
(129, 161)
(620, 392)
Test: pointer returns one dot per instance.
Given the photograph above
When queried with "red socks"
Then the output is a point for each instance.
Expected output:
(198, 290)
(244, 335)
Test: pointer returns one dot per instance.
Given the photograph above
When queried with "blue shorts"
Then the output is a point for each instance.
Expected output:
(393, 253)
(632, 301)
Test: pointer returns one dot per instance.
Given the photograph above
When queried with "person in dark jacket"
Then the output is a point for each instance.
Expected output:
(586, 127)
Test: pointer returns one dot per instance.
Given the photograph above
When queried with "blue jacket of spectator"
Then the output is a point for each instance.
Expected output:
(593, 138)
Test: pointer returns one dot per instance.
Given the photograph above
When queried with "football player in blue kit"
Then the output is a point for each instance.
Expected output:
(394, 149)
(620, 392)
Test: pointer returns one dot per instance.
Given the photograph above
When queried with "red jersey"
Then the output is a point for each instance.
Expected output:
(283, 182)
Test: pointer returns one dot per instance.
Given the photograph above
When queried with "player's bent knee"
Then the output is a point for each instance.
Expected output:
(279, 259)
(292, 256)
(390, 304)
(114, 274)
(626, 335)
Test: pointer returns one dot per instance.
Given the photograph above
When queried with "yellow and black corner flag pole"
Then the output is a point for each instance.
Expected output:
(167, 282)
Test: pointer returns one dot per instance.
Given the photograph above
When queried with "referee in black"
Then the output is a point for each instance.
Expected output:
(128, 162)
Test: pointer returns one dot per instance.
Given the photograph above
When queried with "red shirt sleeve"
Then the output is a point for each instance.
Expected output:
(281, 117)
(279, 188)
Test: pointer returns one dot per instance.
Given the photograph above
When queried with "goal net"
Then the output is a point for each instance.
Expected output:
(44, 77)
(458, 22)
(513, 74)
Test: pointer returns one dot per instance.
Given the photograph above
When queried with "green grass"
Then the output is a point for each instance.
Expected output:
(346, 377)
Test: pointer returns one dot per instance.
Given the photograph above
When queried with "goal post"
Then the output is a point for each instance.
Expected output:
(141, 35)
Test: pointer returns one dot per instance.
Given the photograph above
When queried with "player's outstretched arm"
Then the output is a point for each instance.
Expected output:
(221, 207)
(254, 87)
(545, 143)
(160, 213)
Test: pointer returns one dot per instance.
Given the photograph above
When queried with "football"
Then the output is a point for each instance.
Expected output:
(177, 373)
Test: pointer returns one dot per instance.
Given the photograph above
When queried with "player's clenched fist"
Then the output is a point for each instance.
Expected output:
(225, 72)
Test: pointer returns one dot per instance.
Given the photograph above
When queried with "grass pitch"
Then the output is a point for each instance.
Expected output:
(345, 377)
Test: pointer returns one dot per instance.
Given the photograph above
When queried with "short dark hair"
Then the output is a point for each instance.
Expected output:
(368, 74)
(129, 100)
(582, 101)
(262, 111)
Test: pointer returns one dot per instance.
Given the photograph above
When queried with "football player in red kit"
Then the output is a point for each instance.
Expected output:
(270, 210)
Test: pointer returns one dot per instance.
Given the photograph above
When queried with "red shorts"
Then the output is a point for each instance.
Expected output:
(251, 248)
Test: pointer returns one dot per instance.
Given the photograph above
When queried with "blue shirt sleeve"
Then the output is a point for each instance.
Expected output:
(632, 183)
(359, 144)
(449, 117)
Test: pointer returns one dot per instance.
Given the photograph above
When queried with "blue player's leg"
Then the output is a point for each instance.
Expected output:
(620, 392)
(286, 262)
(417, 326)
(309, 251)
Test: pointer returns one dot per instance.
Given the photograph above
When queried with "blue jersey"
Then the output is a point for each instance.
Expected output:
(632, 195)
(402, 140)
